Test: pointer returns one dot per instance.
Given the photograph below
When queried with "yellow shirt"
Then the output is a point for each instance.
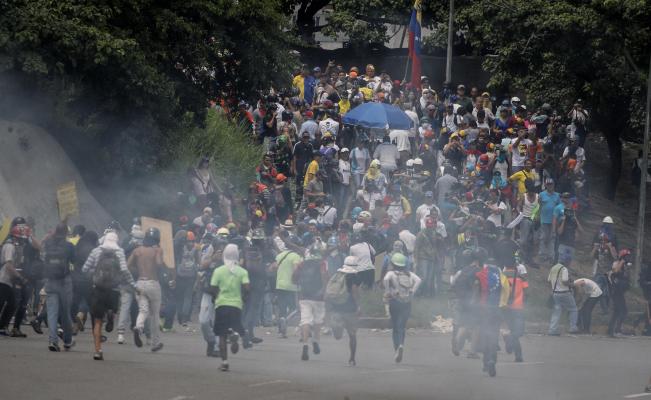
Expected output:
(344, 106)
(367, 92)
(312, 169)
(299, 83)
(521, 177)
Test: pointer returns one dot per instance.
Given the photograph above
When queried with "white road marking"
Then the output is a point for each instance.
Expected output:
(386, 371)
(634, 396)
(269, 383)
(522, 363)
(182, 398)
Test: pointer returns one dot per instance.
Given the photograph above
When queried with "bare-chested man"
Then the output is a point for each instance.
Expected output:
(147, 259)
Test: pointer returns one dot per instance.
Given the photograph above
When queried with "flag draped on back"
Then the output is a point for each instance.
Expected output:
(414, 43)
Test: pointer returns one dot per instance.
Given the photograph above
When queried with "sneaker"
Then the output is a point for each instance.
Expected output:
(352, 362)
(36, 326)
(110, 320)
(137, 340)
(256, 340)
(210, 350)
(69, 346)
(399, 352)
(316, 349)
(121, 339)
(491, 369)
(103, 339)
(60, 333)
(282, 328)
(98, 356)
(224, 366)
(306, 350)
(54, 347)
(246, 344)
(235, 346)
(17, 333)
(156, 348)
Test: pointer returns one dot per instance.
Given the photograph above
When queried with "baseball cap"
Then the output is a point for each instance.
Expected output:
(461, 86)
(316, 69)
(549, 181)
(344, 150)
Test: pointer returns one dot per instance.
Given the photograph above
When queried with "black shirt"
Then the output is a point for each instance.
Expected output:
(303, 154)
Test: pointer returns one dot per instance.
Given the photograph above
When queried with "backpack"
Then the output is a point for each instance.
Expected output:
(56, 259)
(405, 286)
(187, 268)
(107, 271)
(336, 291)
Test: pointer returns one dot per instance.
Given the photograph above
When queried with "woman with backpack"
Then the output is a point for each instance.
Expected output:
(399, 288)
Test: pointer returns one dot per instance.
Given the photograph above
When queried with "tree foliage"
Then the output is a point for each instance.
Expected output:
(140, 57)
(559, 51)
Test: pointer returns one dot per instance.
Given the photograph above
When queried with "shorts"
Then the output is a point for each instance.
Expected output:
(103, 300)
(312, 312)
(228, 318)
(367, 278)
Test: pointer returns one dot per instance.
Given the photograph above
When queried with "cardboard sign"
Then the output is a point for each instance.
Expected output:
(166, 237)
(67, 200)
(4, 231)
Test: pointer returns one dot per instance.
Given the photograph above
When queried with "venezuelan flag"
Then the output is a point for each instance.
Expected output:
(414, 43)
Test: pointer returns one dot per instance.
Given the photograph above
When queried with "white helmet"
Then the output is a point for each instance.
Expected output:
(515, 99)
(409, 163)
(418, 161)
(607, 220)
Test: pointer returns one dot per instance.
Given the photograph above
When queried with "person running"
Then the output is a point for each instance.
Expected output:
(342, 295)
(311, 277)
(58, 257)
(11, 261)
(229, 283)
(255, 258)
(514, 311)
(147, 259)
(107, 266)
(490, 285)
(399, 288)
(211, 257)
(286, 262)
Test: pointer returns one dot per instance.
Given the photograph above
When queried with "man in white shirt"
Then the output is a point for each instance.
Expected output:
(520, 151)
(401, 139)
(559, 279)
(329, 125)
(594, 292)
(423, 211)
(388, 155)
(573, 149)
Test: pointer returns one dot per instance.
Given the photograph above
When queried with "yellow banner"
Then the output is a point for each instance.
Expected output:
(166, 238)
(67, 200)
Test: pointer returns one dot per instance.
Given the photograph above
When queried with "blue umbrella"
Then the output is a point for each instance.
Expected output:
(377, 115)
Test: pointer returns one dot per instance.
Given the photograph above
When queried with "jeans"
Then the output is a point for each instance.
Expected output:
(546, 249)
(184, 294)
(585, 313)
(431, 273)
(619, 313)
(564, 249)
(8, 300)
(149, 301)
(286, 302)
(126, 298)
(252, 310)
(207, 317)
(59, 300)
(399, 313)
(563, 301)
(526, 232)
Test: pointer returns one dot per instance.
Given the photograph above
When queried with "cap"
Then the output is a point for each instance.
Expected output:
(344, 150)
(399, 260)
(461, 87)
(429, 193)
(223, 232)
(316, 69)
(607, 220)
(281, 178)
(190, 236)
(309, 113)
(549, 181)
(514, 99)
(566, 195)
(424, 78)
(207, 210)
(312, 222)
(350, 261)
(288, 224)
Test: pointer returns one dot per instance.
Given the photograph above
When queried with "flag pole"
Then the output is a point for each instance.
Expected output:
(404, 79)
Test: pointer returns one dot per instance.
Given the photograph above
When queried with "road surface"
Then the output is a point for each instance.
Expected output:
(555, 368)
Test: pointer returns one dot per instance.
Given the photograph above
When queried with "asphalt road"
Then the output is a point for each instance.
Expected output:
(554, 368)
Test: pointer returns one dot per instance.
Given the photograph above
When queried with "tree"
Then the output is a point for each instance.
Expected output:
(142, 57)
(560, 51)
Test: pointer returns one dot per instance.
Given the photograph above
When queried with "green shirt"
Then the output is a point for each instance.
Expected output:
(230, 285)
(285, 270)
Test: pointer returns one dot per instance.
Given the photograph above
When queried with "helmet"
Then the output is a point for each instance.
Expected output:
(409, 163)
(624, 253)
(223, 232)
(152, 235)
(18, 221)
(21, 231)
(515, 99)
(190, 236)
(115, 225)
(399, 260)
(280, 178)
(608, 220)
(418, 161)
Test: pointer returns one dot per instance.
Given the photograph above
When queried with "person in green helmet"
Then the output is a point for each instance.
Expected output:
(399, 288)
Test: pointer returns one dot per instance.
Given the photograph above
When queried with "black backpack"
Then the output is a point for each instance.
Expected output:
(107, 271)
(56, 259)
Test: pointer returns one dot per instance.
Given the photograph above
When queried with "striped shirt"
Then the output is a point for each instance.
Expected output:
(93, 258)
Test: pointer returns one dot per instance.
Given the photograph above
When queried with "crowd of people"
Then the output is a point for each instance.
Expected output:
(463, 202)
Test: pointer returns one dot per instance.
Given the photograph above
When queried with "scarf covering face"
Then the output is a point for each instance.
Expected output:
(231, 257)
(373, 170)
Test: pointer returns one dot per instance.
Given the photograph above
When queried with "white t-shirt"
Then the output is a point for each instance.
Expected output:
(414, 117)
(409, 239)
(329, 125)
(580, 154)
(520, 154)
(589, 287)
(363, 251)
(401, 138)
(422, 212)
(344, 170)
(497, 218)
(328, 216)
(564, 276)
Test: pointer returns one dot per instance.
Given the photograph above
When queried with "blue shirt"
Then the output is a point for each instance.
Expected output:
(559, 212)
(547, 204)
(308, 88)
